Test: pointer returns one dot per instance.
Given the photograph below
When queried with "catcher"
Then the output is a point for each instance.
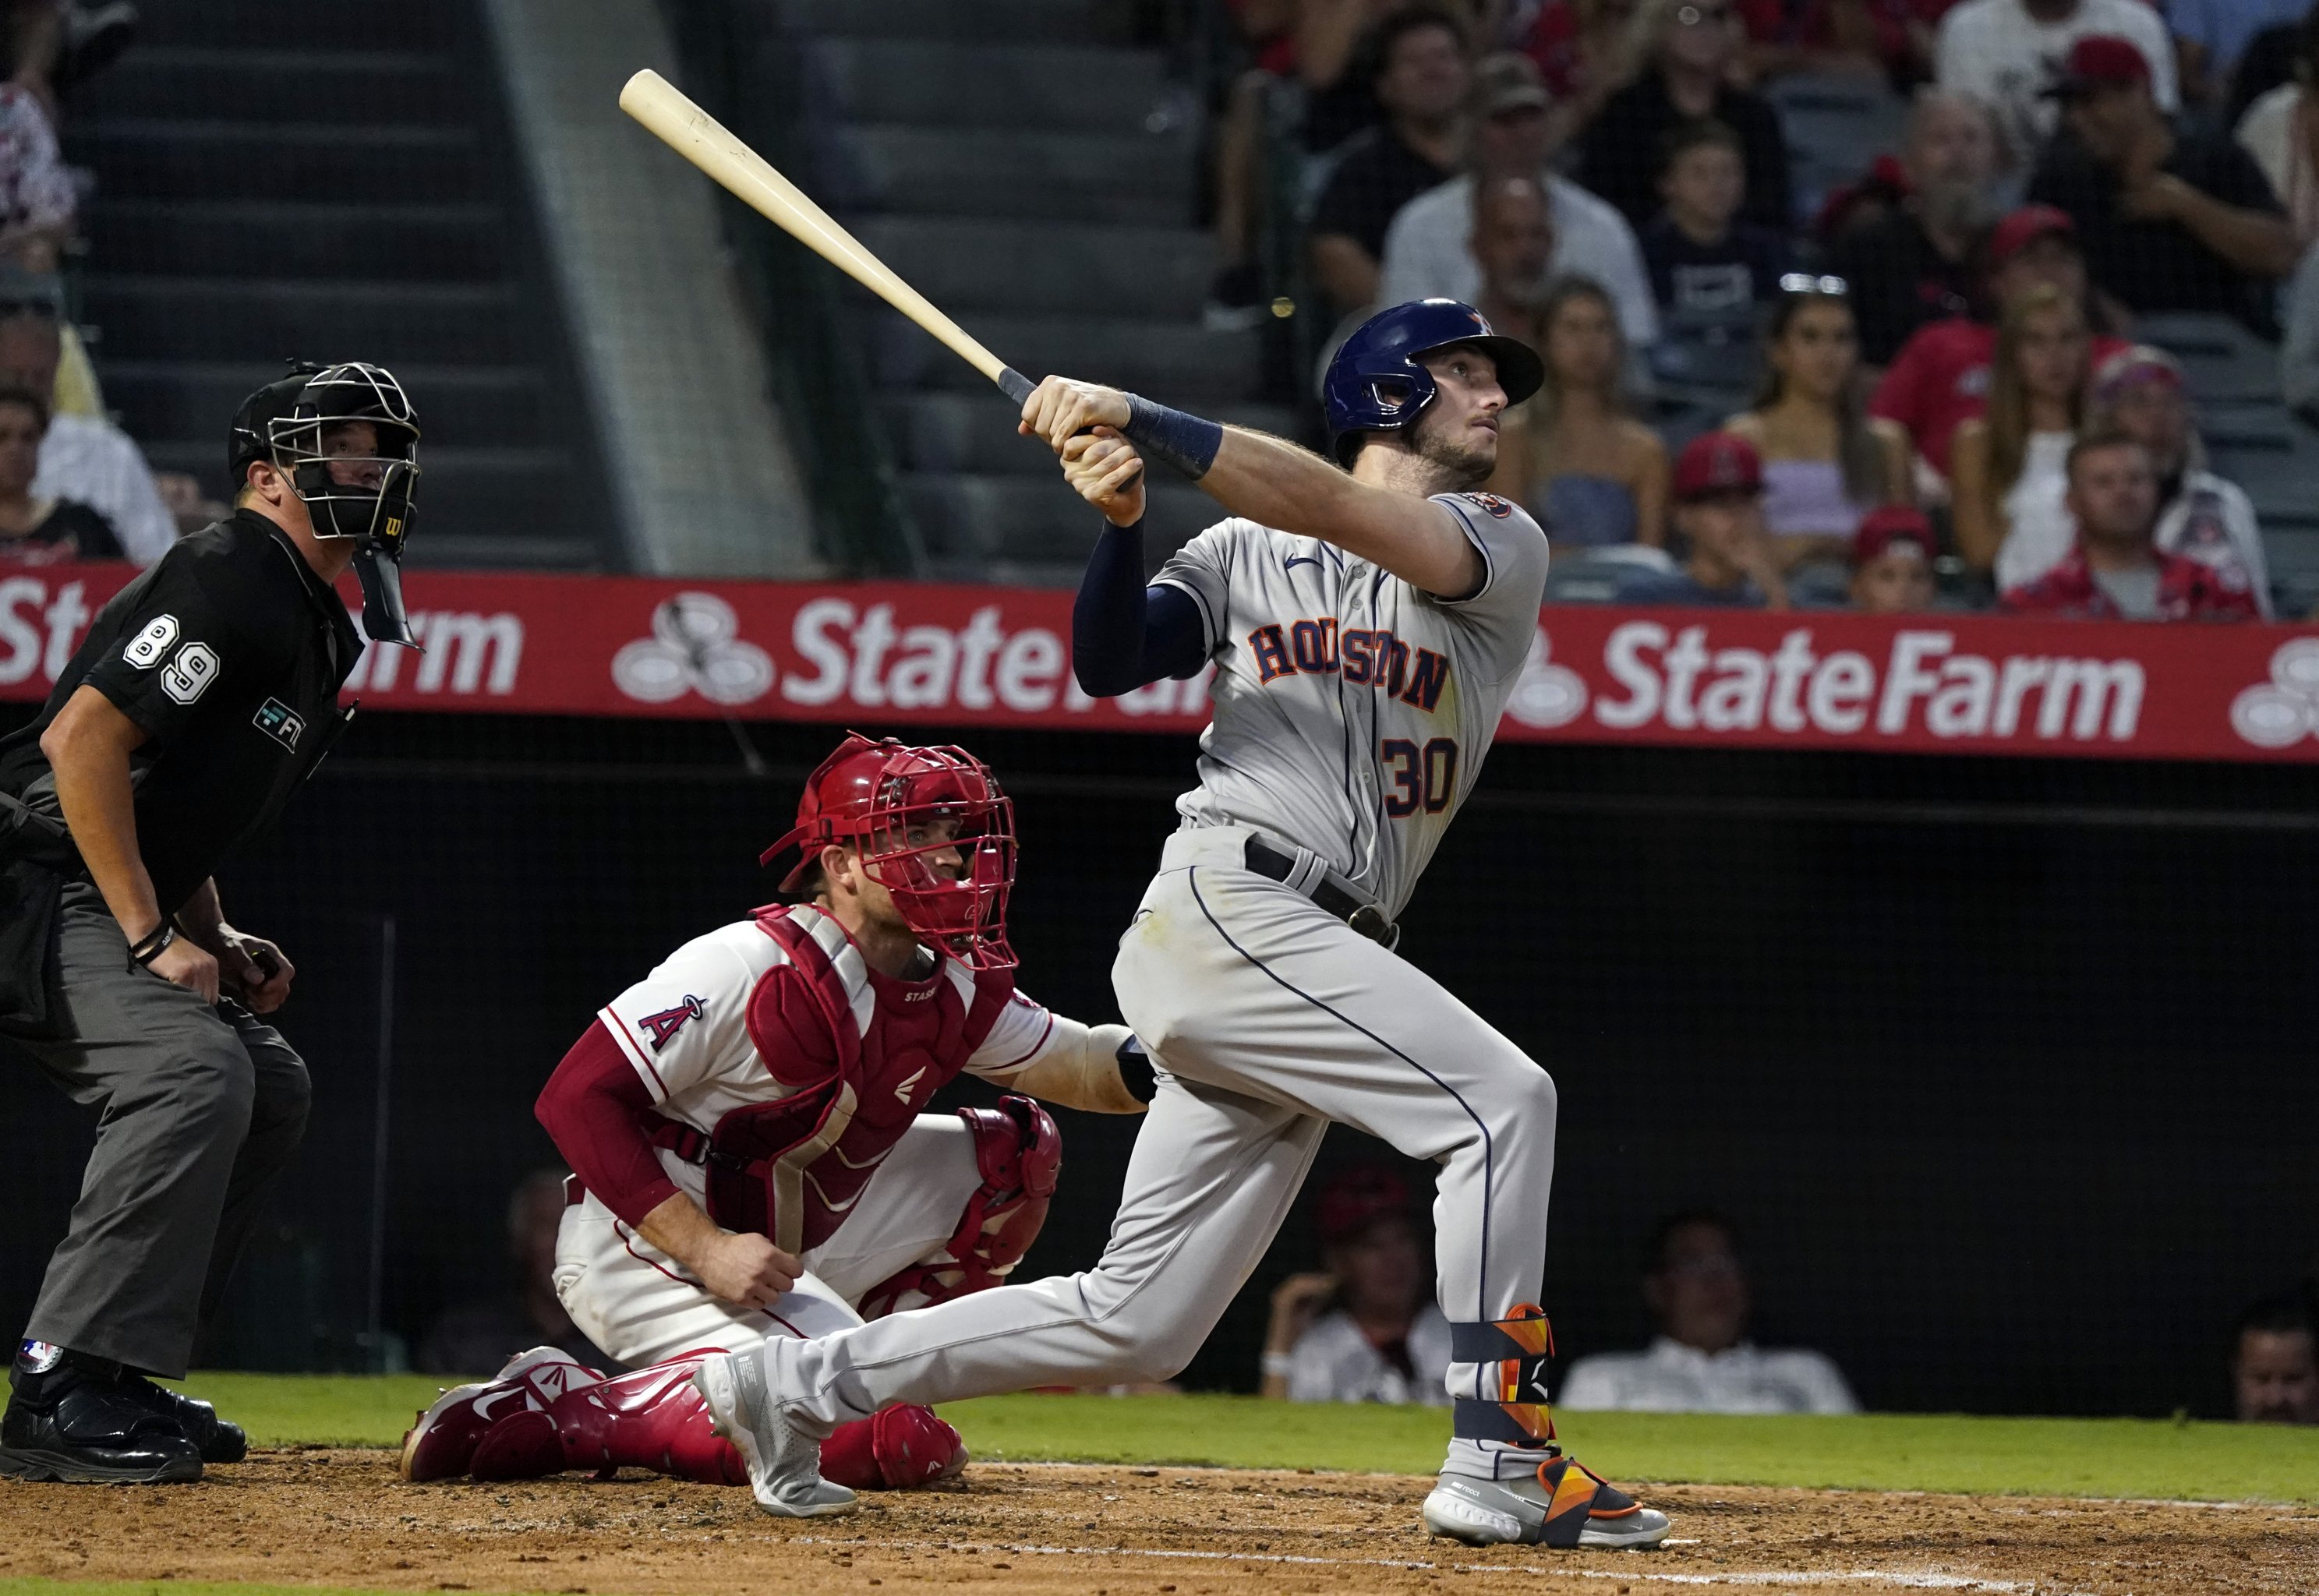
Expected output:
(751, 1155)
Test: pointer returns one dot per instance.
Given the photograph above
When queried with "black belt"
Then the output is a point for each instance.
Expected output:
(1367, 918)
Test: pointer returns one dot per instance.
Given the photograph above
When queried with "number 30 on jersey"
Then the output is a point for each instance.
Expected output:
(1419, 778)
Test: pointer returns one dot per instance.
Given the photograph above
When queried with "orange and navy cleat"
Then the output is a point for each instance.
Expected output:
(1562, 1504)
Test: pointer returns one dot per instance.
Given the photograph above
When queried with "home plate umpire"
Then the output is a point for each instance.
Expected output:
(205, 693)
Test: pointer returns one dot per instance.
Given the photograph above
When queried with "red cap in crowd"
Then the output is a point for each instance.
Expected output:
(2098, 61)
(2131, 368)
(1718, 463)
(2023, 226)
(1889, 524)
(1358, 1198)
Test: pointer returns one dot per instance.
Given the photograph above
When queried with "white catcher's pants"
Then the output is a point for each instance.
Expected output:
(640, 1305)
(1272, 1018)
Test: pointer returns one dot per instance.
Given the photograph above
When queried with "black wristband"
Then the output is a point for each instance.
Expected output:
(1187, 443)
(153, 943)
(1135, 1070)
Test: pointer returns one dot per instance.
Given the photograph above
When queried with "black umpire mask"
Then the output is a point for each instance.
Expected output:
(303, 425)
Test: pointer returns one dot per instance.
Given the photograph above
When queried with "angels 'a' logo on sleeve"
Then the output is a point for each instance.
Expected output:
(1491, 502)
(665, 1024)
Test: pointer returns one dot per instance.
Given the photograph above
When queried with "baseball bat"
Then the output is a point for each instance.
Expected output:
(700, 138)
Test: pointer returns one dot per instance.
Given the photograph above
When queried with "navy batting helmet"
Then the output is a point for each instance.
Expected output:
(1377, 383)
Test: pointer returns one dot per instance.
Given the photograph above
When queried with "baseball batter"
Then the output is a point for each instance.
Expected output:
(1367, 625)
(752, 1158)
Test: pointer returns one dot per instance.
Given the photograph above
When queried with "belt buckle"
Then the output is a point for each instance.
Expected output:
(1370, 922)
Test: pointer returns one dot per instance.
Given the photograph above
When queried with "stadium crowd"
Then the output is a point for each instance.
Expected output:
(73, 485)
(1363, 1326)
(1946, 375)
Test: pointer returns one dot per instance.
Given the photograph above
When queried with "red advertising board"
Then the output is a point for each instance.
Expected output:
(896, 653)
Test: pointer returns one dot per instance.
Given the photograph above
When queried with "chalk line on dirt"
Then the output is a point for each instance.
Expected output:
(1881, 1576)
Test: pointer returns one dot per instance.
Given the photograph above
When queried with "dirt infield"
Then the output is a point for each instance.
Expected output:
(343, 1518)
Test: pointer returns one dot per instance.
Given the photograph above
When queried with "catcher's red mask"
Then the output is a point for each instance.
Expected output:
(931, 828)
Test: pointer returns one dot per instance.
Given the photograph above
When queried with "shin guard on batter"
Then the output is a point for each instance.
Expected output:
(1509, 1356)
(1020, 1153)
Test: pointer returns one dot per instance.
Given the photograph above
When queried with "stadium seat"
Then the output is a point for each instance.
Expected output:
(1033, 181)
(2224, 361)
(354, 197)
(1600, 575)
(1834, 126)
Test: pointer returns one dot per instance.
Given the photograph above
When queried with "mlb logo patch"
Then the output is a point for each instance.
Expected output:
(278, 721)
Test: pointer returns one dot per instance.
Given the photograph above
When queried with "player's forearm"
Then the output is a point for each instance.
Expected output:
(1277, 483)
(1088, 1067)
(90, 757)
(680, 1228)
(203, 917)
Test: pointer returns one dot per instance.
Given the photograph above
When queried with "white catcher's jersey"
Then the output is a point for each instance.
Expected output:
(685, 1027)
(1352, 711)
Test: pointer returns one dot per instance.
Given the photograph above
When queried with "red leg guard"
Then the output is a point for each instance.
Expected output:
(895, 1448)
(1020, 1153)
(653, 1419)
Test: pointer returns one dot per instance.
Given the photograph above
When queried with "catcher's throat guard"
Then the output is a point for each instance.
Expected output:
(931, 827)
(297, 426)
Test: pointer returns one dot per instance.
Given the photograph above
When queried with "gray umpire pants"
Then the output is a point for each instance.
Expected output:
(198, 1111)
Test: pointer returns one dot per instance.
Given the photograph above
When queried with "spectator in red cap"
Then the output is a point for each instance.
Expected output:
(1366, 1329)
(2173, 220)
(2002, 52)
(2201, 515)
(2116, 571)
(1941, 378)
(1718, 522)
(1892, 560)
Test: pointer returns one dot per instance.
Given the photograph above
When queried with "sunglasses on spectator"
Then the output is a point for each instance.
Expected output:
(1692, 16)
(1805, 283)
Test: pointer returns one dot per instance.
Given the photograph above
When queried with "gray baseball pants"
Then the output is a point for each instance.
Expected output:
(1273, 1019)
(198, 1111)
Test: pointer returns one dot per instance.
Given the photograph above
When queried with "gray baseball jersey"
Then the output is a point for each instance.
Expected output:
(1352, 711)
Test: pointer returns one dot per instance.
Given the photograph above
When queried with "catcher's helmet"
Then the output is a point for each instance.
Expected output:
(881, 798)
(365, 497)
(1377, 383)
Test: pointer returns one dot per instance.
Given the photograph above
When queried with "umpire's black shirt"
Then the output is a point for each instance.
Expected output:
(229, 654)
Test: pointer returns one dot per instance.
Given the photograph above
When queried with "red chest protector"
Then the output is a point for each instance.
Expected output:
(792, 1170)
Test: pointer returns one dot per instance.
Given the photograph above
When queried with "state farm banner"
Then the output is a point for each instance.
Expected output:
(880, 654)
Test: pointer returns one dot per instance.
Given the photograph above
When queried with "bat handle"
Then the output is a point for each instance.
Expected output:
(1015, 384)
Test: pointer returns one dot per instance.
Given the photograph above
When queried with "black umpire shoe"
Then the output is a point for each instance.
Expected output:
(71, 1418)
(217, 1440)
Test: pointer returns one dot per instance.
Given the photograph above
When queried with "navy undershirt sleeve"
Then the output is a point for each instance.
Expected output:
(1124, 634)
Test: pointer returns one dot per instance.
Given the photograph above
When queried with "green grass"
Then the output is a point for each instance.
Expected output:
(318, 1410)
(2115, 1458)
